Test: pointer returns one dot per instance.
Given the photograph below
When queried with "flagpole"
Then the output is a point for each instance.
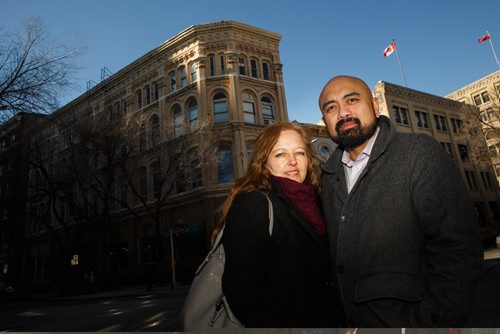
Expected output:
(401, 67)
(494, 53)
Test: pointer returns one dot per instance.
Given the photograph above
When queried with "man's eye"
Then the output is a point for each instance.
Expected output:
(330, 108)
(352, 101)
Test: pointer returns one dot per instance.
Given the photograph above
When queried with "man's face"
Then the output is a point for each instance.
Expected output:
(349, 111)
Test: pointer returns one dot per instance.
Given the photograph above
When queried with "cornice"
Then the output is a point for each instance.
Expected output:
(475, 86)
(420, 97)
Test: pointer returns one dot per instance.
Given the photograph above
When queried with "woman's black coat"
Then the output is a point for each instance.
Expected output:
(281, 280)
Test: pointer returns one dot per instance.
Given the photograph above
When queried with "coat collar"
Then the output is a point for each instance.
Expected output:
(278, 192)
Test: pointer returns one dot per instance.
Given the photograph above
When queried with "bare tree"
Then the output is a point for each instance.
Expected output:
(34, 71)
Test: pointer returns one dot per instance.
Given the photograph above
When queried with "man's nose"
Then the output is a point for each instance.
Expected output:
(344, 112)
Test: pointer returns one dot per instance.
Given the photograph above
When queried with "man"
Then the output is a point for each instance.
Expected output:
(404, 235)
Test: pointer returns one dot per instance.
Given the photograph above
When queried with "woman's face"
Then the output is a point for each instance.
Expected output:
(288, 158)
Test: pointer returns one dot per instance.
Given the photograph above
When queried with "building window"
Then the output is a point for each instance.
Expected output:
(221, 114)
(485, 176)
(180, 182)
(197, 176)
(222, 64)
(143, 140)
(211, 65)
(471, 180)
(193, 114)
(440, 122)
(193, 72)
(124, 107)
(138, 98)
(267, 110)
(156, 91)
(481, 98)
(457, 125)
(123, 195)
(182, 76)
(400, 115)
(477, 100)
(463, 151)
(155, 179)
(173, 81)
(265, 71)
(147, 94)
(143, 183)
(178, 121)
(242, 66)
(225, 163)
(422, 119)
(447, 146)
(253, 68)
(249, 111)
(155, 130)
(485, 96)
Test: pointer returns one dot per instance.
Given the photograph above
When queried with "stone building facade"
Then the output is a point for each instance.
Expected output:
(142, 161)
(446, 121)
(484, 93)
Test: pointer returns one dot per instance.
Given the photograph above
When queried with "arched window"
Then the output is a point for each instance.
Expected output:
(143, 140)
(178, 120)
(211, 65)
(192, 70)
(267, 110)
(156, 91)
(265, 71)
(221, 114)
(249, 107)
(253, 68)
(147, 94)
(225, 163)
(222, 64)
(182, 76)
(242, 65)
(155, 130)
(154, 170)
(138, 99)
(143, 183)
(192, 107)
(173, 81)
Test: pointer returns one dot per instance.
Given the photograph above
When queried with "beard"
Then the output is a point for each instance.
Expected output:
(355, 136)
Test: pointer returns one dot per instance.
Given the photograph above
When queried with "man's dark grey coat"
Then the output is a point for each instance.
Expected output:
(405, 242)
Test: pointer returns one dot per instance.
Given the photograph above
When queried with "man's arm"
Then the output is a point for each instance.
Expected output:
(453, 247)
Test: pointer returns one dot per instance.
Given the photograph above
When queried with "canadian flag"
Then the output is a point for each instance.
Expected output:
(390, 49)
(484, 38)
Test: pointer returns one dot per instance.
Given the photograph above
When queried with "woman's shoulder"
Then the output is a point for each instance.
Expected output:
(249, 198)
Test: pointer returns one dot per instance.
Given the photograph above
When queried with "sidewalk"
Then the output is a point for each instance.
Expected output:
(492, 253)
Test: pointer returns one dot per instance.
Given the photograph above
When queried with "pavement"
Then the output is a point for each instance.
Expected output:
(492, 253)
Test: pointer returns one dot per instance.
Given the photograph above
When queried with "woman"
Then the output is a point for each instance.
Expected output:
(283, 279)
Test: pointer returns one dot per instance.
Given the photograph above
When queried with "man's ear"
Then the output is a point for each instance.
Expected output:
(376, 107)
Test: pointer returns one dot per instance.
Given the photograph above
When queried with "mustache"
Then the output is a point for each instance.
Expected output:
(345, 120)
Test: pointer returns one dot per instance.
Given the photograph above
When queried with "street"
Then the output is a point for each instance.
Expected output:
(145, 312)
(135, 309)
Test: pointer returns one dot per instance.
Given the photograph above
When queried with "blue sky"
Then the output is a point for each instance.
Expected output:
(436, 40)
